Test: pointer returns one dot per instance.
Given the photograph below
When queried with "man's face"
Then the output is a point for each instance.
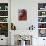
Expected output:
(21, 12)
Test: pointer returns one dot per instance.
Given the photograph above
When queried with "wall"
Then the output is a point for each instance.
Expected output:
(31, 6)
(32, 9)
(31, 13)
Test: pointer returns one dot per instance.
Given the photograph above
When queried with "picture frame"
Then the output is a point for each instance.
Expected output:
(22, 14)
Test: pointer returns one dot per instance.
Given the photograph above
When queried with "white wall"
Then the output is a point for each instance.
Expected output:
(31, 6)
(32, 10)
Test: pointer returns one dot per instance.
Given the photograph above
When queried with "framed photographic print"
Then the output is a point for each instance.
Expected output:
(22, 13)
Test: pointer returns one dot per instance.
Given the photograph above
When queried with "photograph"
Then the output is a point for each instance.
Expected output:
(22, 14)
